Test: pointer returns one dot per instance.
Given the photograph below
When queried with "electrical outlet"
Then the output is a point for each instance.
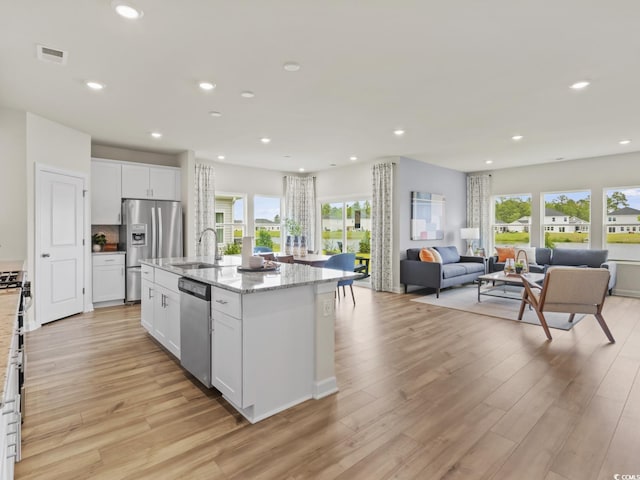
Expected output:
(327, 307)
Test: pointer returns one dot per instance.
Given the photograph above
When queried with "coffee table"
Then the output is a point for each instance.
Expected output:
(505, 280)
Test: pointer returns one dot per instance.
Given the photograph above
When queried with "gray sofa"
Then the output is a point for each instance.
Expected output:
(454, 269)
(579, 257)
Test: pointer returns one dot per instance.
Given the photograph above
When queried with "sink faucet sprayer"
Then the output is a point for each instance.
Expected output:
(217, 255)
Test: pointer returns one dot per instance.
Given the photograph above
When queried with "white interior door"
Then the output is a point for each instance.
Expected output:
(59, 249)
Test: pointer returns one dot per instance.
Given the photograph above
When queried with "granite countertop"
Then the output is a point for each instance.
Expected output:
(228, 277)
(9, 301)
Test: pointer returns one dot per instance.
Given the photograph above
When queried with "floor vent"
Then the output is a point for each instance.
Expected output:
(52, 55)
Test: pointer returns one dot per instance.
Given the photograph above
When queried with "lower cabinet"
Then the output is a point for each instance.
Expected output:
(160, 309)
(108, 278)
(226, 366)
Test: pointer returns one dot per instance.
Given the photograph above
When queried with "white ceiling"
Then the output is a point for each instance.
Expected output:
(461, 77)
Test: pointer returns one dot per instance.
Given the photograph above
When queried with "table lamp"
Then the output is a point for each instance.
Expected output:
(470, 234)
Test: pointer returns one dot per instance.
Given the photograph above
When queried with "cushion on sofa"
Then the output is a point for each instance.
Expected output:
(505, 252)
(578, 257)
(450, 270)
(448, 254)
(430, 255)
(472, 267)
(413, 253)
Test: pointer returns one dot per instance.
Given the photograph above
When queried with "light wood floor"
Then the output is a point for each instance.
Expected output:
(425, 393)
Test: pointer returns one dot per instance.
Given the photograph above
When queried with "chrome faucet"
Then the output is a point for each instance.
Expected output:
(217, 255)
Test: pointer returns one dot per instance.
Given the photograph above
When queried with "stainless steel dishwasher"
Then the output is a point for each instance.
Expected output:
(195, 328)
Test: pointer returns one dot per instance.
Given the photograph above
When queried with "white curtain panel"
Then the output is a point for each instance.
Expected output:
(479, 208)
(382, 227)
(205, 208)
(300, 205)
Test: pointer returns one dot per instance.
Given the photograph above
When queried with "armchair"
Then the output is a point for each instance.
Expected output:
(570, 290)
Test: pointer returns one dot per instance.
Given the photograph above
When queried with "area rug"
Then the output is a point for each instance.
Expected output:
(466, 298)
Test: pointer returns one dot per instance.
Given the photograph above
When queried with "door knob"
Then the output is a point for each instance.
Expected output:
(45, 255)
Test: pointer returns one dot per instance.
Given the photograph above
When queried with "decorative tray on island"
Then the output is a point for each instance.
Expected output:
(267, 267)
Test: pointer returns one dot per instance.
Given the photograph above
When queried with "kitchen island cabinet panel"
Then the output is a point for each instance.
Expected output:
(226, 353)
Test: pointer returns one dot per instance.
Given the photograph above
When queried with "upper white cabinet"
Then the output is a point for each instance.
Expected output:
(150, 182)
(106, 194)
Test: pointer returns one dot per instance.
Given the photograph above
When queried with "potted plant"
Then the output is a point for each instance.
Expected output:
(519, 266)
(99, 240)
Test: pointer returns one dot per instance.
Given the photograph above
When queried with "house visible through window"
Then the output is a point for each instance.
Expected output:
(512, 219)
(567, 219)
(266, 219)
(230, 220)
(623, 214)
(346, 227)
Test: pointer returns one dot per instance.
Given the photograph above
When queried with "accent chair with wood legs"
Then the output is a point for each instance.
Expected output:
(570, 290)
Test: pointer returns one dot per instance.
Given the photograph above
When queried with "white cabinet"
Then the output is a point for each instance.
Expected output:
(10, 414)
(108, 278)
(160, 309)
(147, 182)
(226, 353)
(146, 307)
(106, 194)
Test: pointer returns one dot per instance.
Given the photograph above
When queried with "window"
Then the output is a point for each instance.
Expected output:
(266, 219)
(346, 227)
(230, 220)
(512, 219)
(623, 211)
(566, 219)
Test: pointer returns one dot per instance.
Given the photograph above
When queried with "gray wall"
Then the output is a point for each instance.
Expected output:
(415, 176)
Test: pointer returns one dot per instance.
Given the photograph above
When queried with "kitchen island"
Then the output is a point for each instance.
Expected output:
(272, 332)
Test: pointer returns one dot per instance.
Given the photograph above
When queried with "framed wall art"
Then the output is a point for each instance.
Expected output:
(427, 216)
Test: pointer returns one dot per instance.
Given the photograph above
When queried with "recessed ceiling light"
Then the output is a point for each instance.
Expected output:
(207, 86)
(353, 158)
(301, 169)
(213, 113)
(126, 10)
(580, 85)
(265, 140)
(624, 142)
(247, 94)
(517, 138)
(398, 132)
(95, 85)
(488, 162)
(220, 157)
(156, 134)
(291, 66)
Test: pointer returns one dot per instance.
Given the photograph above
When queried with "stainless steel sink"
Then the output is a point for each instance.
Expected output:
(194, 265)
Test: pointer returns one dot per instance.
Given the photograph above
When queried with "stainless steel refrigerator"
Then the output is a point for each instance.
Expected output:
(150, 229)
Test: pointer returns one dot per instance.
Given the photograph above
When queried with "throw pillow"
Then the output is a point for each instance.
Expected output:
(436, 255)
(426, 255)
(505, 252)
(449, 254)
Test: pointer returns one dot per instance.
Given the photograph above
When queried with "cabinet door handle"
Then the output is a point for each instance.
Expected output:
(222, 302)
(119, 218)
(110, 260)
(45, 255)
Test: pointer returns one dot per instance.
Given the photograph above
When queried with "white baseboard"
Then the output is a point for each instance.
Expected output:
(626, 293)
(325, 387)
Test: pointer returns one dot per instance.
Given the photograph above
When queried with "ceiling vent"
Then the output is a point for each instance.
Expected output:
(53, 55)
